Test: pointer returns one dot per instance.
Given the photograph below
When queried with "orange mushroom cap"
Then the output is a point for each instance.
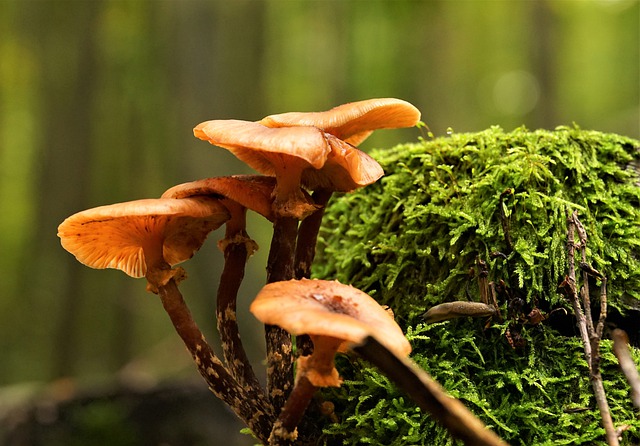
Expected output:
(266, 149)
(328, 309)
(117, 235)
(249, 191)
(352, 122)
(323, 159)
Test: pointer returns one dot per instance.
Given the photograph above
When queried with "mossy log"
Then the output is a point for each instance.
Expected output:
(455, 214)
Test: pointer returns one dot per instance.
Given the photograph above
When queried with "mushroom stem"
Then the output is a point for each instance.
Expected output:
(450, 412)
(278, 341)
(237, 247)
(308, 235)
(313, 371)
(306, 252)
(284, 432)
(249, 405)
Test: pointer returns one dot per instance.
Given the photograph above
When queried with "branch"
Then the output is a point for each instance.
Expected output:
(590, 336)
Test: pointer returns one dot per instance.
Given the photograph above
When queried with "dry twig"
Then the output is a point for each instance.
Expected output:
(591, 335)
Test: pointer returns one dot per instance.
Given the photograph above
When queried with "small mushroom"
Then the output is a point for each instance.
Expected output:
(335, 316)
(349, 124)
(281, 152)
(296, 156)
(142, 237)
(352, 122)
(145, 238)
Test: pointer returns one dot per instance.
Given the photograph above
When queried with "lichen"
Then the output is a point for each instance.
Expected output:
(415, 239)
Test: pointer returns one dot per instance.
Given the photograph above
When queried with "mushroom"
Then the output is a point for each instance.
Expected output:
(281, 152)
(285, 153)
(142, 238)
(304, 155)
(237, 194)
(145, 238)
(350, 124)
(335, 316)
(340, 317)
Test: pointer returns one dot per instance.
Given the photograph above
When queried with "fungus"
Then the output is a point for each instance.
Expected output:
(335, 316)
(338, 317)
(281, 152)
(237, 194)
(142, 238)
(349, 124)
(145, 238)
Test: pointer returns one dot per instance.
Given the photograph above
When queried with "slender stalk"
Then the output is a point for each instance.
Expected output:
(451, 413)
(571, 289)
(284, 432)
(308, 235)
(237, 247)
(250, 406)
(278, 341)
(590, 336)
(306, 252)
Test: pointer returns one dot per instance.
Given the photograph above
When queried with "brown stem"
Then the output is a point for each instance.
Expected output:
(278, 341)
(248, 405)
(306, 252)
(571, 289)
(284, 432)
(308, 235)
(236, 247)
(590, 336)
(450, 412)
(584, 292)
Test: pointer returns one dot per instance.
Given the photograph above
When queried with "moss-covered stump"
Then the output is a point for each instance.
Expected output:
(452, 210)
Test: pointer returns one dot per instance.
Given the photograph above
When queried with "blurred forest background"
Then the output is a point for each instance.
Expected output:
(98, 99)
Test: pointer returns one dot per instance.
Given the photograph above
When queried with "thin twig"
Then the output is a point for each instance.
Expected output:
(590, 336)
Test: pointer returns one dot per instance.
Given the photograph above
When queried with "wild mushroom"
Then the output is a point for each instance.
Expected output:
(145, 238)
(302, 155)
(334, 316)
(236, 193)
(349, 123)
(283, 152)
(340, 317)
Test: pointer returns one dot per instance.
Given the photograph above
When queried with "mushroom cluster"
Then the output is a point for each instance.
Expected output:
(302, 159)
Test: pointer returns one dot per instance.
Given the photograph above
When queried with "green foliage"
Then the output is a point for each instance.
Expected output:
(534, 396)
(437, 210)
(413, 240)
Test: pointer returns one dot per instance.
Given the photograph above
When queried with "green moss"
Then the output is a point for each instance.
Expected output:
(414, 239)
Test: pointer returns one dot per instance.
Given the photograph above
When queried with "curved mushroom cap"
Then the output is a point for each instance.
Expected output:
(250, 191)
(328, 308)
(346, 169)
(265, 149)
(116, 235)
(352, 122)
